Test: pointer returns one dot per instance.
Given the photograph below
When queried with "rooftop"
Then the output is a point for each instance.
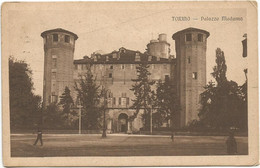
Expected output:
(123, 56)
(190, 29)
(59, 30)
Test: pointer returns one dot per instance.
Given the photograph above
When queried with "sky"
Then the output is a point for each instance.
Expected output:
(110, 26)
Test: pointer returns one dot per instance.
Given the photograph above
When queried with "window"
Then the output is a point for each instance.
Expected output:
(127, 101)
(123, 66)
(67, 39)
(167, 78)
(188, 37)
(55, 37)
(194, 75)
(110, 75)
(189, 60)
(122, 50)
(137, 57)
(110, 94)
(123, 94)
(114, 101)
(54, 62)
(53, 84)
(111, 66)
(119, 102)
(75, 67)
(114, 55)
(54, 98)
(200, 37)
(109, 102)
(123, 101)
(53, 75)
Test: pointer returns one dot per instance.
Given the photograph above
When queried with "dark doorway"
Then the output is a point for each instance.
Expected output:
(122, 122)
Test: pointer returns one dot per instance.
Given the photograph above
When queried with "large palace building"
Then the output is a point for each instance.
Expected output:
(115, 70)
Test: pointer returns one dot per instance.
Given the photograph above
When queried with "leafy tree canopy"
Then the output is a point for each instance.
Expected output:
(166, 102)
(25, 106)
(223, 104)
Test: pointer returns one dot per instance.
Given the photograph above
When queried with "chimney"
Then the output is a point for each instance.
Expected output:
(95, 58)
(162, 38)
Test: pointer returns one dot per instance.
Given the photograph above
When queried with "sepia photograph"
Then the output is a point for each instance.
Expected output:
(130, 83)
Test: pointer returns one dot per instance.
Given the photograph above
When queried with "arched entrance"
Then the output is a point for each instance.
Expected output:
(122, 122)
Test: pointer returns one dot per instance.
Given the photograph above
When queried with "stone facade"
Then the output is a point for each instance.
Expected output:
(116, 69)
(190, 47)
(59, 47)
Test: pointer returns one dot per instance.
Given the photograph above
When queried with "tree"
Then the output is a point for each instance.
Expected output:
(66, 102)
(222, 102)
(52, 118)
(25, 106)
(219, 71)
(89, 95)
(144, 96)
(166, 102)
(104, 103)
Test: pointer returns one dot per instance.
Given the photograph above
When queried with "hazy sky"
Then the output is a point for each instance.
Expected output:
(109, 27)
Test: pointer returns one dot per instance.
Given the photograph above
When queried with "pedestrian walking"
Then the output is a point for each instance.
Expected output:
(39, 137)
(231, 144)
(172, 136)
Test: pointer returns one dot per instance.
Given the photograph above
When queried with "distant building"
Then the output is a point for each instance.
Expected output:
(116, 69)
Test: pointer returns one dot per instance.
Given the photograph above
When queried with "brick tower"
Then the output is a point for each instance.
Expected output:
(190, 46)
(59, 45)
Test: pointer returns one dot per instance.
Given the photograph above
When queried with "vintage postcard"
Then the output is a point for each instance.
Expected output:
(130, 83)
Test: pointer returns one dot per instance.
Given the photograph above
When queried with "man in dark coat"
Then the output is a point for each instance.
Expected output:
(39, 137)
(231, 144)
(172, 136)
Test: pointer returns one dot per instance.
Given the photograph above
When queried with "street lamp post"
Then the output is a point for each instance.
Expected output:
(151, 121)
(79, 107)
(104, 134)
(79, 118)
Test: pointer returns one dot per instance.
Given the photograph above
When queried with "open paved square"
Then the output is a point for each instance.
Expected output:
(121, 145)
